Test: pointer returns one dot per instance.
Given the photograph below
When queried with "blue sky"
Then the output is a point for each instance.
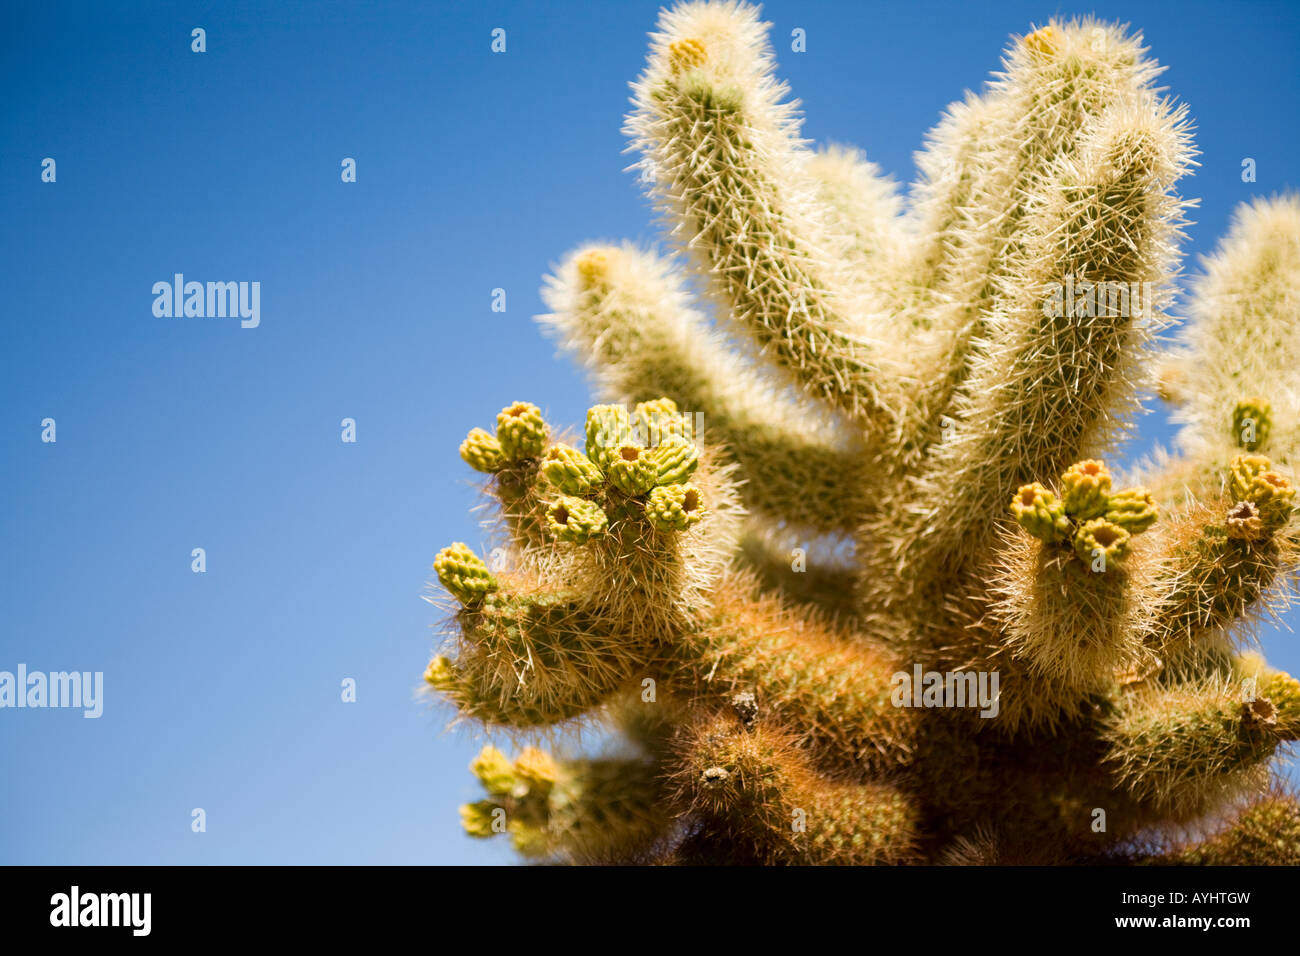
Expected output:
(475, 171)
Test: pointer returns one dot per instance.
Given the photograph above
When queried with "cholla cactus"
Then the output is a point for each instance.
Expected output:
(865, 591)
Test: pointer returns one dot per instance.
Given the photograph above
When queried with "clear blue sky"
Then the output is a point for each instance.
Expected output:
(475, 171)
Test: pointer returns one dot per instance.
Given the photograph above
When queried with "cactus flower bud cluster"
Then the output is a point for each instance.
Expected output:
(520, 434)
(1095, 522)
(643, 455)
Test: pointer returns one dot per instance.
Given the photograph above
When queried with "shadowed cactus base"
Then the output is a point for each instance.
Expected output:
(839, 564)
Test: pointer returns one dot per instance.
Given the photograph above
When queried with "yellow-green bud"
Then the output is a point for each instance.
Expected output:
(571, 471)
(495, 771)
(441, 673)
(536, 769)
(521, 430)
(631, 469)
(607, 428)
(675, 460)
(463, 573)
(1040, 513)
(1274, 496)
(1085, 489)
(1250, 479)
(1242, 474)
(477, 818)
(482, 451)
(1101, 538)
(575, 519)
(1133, 509)
(1252, 419)
(655, 420)
(674, 507)
(1284, 691)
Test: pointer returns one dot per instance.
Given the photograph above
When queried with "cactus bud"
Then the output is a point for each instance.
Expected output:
(575, 519)
(482, 452)
(1242, 474)
(675, 460)
(571, 471)
(477, 818)
(1133, 509)
(1104, 537)
(631, 470)
(521, 430)
(463, 573)
(714, 778)
(1250, 478)
(1040, 513)
(1274, 496)
(1085, 489)
(494, 771)
(1252, 419)
(674, 507)
(654, 421)
(441, 673)
(536, 769)
(607, 428)
(1284, 692)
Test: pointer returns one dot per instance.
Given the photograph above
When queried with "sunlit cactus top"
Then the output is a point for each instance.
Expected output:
(844, 557)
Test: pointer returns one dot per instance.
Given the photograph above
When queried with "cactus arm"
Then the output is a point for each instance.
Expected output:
(626, 315)
(800, 565)
(835, 692)
(612, 523)
(864, 213)
(1074, 626)
(1045, 386)
(757, 782)
(1182, 750)
(944, 211)
(1073, 587)
(510, 455)
(728, 169)
(1265, 832)
(528, 656)
(1240, 346)
(574, 811)
(982, 164)
(1229, 557)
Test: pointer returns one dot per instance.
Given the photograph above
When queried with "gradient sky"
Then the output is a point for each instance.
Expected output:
(475, 171)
